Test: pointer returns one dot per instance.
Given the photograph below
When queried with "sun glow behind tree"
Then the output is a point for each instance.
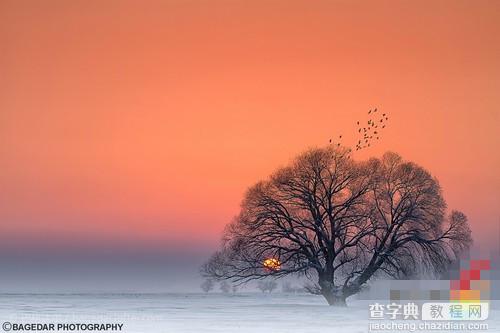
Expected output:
(272, 264)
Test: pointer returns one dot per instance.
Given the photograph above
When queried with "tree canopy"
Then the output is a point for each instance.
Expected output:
(341, 222)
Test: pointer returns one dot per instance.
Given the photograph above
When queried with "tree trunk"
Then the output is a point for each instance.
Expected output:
(334, 300)
(333, 295)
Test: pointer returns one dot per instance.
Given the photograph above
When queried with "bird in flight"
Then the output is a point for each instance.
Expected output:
(372, 131)
(369, 133)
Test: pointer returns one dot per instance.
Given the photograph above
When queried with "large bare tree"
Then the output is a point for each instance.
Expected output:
(341, 222)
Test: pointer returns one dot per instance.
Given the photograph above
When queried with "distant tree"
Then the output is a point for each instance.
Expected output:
(268, 286)
(234, 289)
(286, 287)
(225, 287)
(341, 222)
(207, 285)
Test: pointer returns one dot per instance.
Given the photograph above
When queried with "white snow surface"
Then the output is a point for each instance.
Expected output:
(240, 312)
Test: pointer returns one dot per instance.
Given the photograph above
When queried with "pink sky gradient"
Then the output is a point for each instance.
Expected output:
(143, 122)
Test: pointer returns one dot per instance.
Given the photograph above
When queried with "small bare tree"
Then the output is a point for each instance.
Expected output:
(268, 286)
(207, 285)
(286, 287)
(234, 289)
(225, 287)
(341, 222)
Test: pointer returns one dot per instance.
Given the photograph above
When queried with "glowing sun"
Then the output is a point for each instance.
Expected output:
(272, 264)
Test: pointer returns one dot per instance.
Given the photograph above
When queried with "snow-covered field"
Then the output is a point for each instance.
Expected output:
(240, 312)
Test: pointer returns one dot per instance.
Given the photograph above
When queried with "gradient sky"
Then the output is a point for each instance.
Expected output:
(133, 128)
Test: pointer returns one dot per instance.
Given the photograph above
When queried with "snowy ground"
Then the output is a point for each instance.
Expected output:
(197, 312)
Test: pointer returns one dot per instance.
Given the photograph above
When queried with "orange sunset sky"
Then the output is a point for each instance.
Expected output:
(143, 122)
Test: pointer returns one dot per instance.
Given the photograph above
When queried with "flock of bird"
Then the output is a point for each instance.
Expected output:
(371, 131)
